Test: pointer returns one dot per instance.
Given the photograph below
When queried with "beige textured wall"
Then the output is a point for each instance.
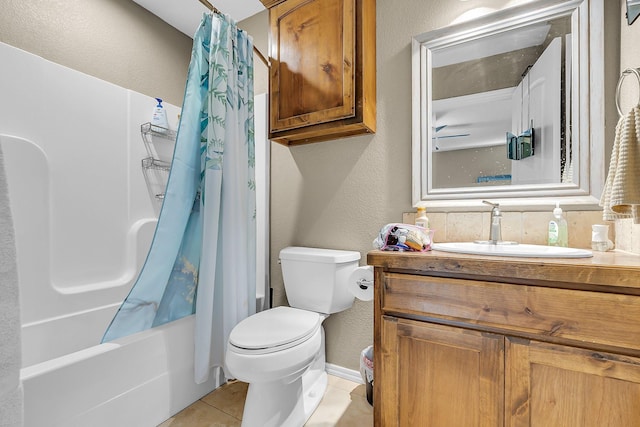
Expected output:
(258, 28)
(627, 233)
(114, 40)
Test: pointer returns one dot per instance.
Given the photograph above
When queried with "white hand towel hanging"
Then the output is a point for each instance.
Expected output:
(621, 196)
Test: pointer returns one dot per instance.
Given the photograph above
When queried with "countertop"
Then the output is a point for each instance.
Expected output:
(613, 271)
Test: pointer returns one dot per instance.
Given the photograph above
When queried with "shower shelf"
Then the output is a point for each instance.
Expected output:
(149, 130)
(151, 163)
(155, 134)
(150, 134)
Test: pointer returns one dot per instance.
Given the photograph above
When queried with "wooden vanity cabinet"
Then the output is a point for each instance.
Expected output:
(434, 375)
(471, 341)
(556, 385)
(322, 77)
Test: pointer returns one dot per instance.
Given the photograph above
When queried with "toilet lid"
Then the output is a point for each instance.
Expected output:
(275, 329)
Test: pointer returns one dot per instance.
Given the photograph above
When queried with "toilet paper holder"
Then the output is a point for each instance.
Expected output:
(360, 283)
(364, 283)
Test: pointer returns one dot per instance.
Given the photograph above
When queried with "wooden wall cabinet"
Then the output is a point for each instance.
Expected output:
(467, 341)
(322, 78)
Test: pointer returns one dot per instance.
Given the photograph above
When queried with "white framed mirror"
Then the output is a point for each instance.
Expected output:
(539, 67)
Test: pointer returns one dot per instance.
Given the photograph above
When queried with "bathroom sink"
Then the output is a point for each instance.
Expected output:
(512, 250)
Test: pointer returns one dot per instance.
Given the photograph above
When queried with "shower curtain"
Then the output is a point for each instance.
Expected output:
(203, 254)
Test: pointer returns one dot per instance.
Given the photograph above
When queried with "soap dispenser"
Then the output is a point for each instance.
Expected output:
(558, 234)
(159, 122)
(421, 217)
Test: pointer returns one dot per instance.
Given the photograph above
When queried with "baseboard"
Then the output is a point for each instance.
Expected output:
(347, 374)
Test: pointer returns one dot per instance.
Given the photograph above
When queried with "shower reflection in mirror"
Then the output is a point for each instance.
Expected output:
(513, 86)
(523, 146)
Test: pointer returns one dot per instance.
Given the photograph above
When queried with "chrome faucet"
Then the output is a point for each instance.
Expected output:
(495, 233)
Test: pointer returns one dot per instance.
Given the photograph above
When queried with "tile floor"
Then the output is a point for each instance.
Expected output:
(344, 404)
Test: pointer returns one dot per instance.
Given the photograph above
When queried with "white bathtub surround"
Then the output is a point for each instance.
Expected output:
(10, 384)
(83, 215)
(84, 219)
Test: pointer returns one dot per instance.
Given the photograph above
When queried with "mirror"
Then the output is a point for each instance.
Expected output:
(633, 10)
(502, 108)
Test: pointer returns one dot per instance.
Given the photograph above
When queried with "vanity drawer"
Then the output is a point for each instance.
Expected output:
(591, 318)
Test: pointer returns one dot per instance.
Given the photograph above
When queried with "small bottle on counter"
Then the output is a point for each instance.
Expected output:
(558, 234)
(421, 217)
(600, 238)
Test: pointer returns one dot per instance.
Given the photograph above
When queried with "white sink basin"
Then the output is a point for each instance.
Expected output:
(518, 250)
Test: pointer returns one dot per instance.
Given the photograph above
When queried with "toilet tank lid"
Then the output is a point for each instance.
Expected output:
(333, 256)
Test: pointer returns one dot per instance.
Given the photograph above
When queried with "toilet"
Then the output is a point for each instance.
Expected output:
(280, 352)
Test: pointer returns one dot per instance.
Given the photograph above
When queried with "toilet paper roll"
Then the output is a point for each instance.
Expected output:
(361, 283)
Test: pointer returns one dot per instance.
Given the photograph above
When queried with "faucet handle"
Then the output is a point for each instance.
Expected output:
(495, 211)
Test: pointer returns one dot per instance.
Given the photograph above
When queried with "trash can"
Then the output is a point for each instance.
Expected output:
(366, 370)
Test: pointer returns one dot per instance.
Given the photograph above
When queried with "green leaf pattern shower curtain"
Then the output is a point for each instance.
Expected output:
(227, 293)
(206, 230)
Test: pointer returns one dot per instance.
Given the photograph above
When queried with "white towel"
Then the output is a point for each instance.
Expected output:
(621, 196)
(10, 387)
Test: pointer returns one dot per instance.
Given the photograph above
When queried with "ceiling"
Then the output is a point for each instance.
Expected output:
(185, 15)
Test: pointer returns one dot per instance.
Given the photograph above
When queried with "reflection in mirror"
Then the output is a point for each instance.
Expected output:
(501, 105)
(504, 83)
(633, 10)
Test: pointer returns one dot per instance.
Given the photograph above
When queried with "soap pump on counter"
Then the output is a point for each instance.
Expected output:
(558, 234)
(159, 122)
(421, 217)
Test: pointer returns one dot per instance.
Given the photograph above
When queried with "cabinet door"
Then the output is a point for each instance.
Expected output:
(558, 386)
(433, 375)
(313, 59)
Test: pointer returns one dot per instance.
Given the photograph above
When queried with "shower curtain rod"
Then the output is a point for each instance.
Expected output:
(215, 10)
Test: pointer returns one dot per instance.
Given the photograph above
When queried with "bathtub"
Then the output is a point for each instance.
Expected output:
(139, 380)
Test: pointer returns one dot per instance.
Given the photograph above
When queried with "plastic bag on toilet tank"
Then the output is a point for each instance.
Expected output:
(403, 237)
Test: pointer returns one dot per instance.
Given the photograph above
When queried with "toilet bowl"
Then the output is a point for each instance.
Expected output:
(256, 354)
(278, 394)
(280, 352)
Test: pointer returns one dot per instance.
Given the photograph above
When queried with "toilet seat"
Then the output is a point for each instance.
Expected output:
(274, 330)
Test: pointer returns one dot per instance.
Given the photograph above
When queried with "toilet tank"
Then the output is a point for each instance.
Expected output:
(316, 279)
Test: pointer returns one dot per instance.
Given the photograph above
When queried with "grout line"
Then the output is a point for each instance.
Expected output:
(225, 392)
(221, 410)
